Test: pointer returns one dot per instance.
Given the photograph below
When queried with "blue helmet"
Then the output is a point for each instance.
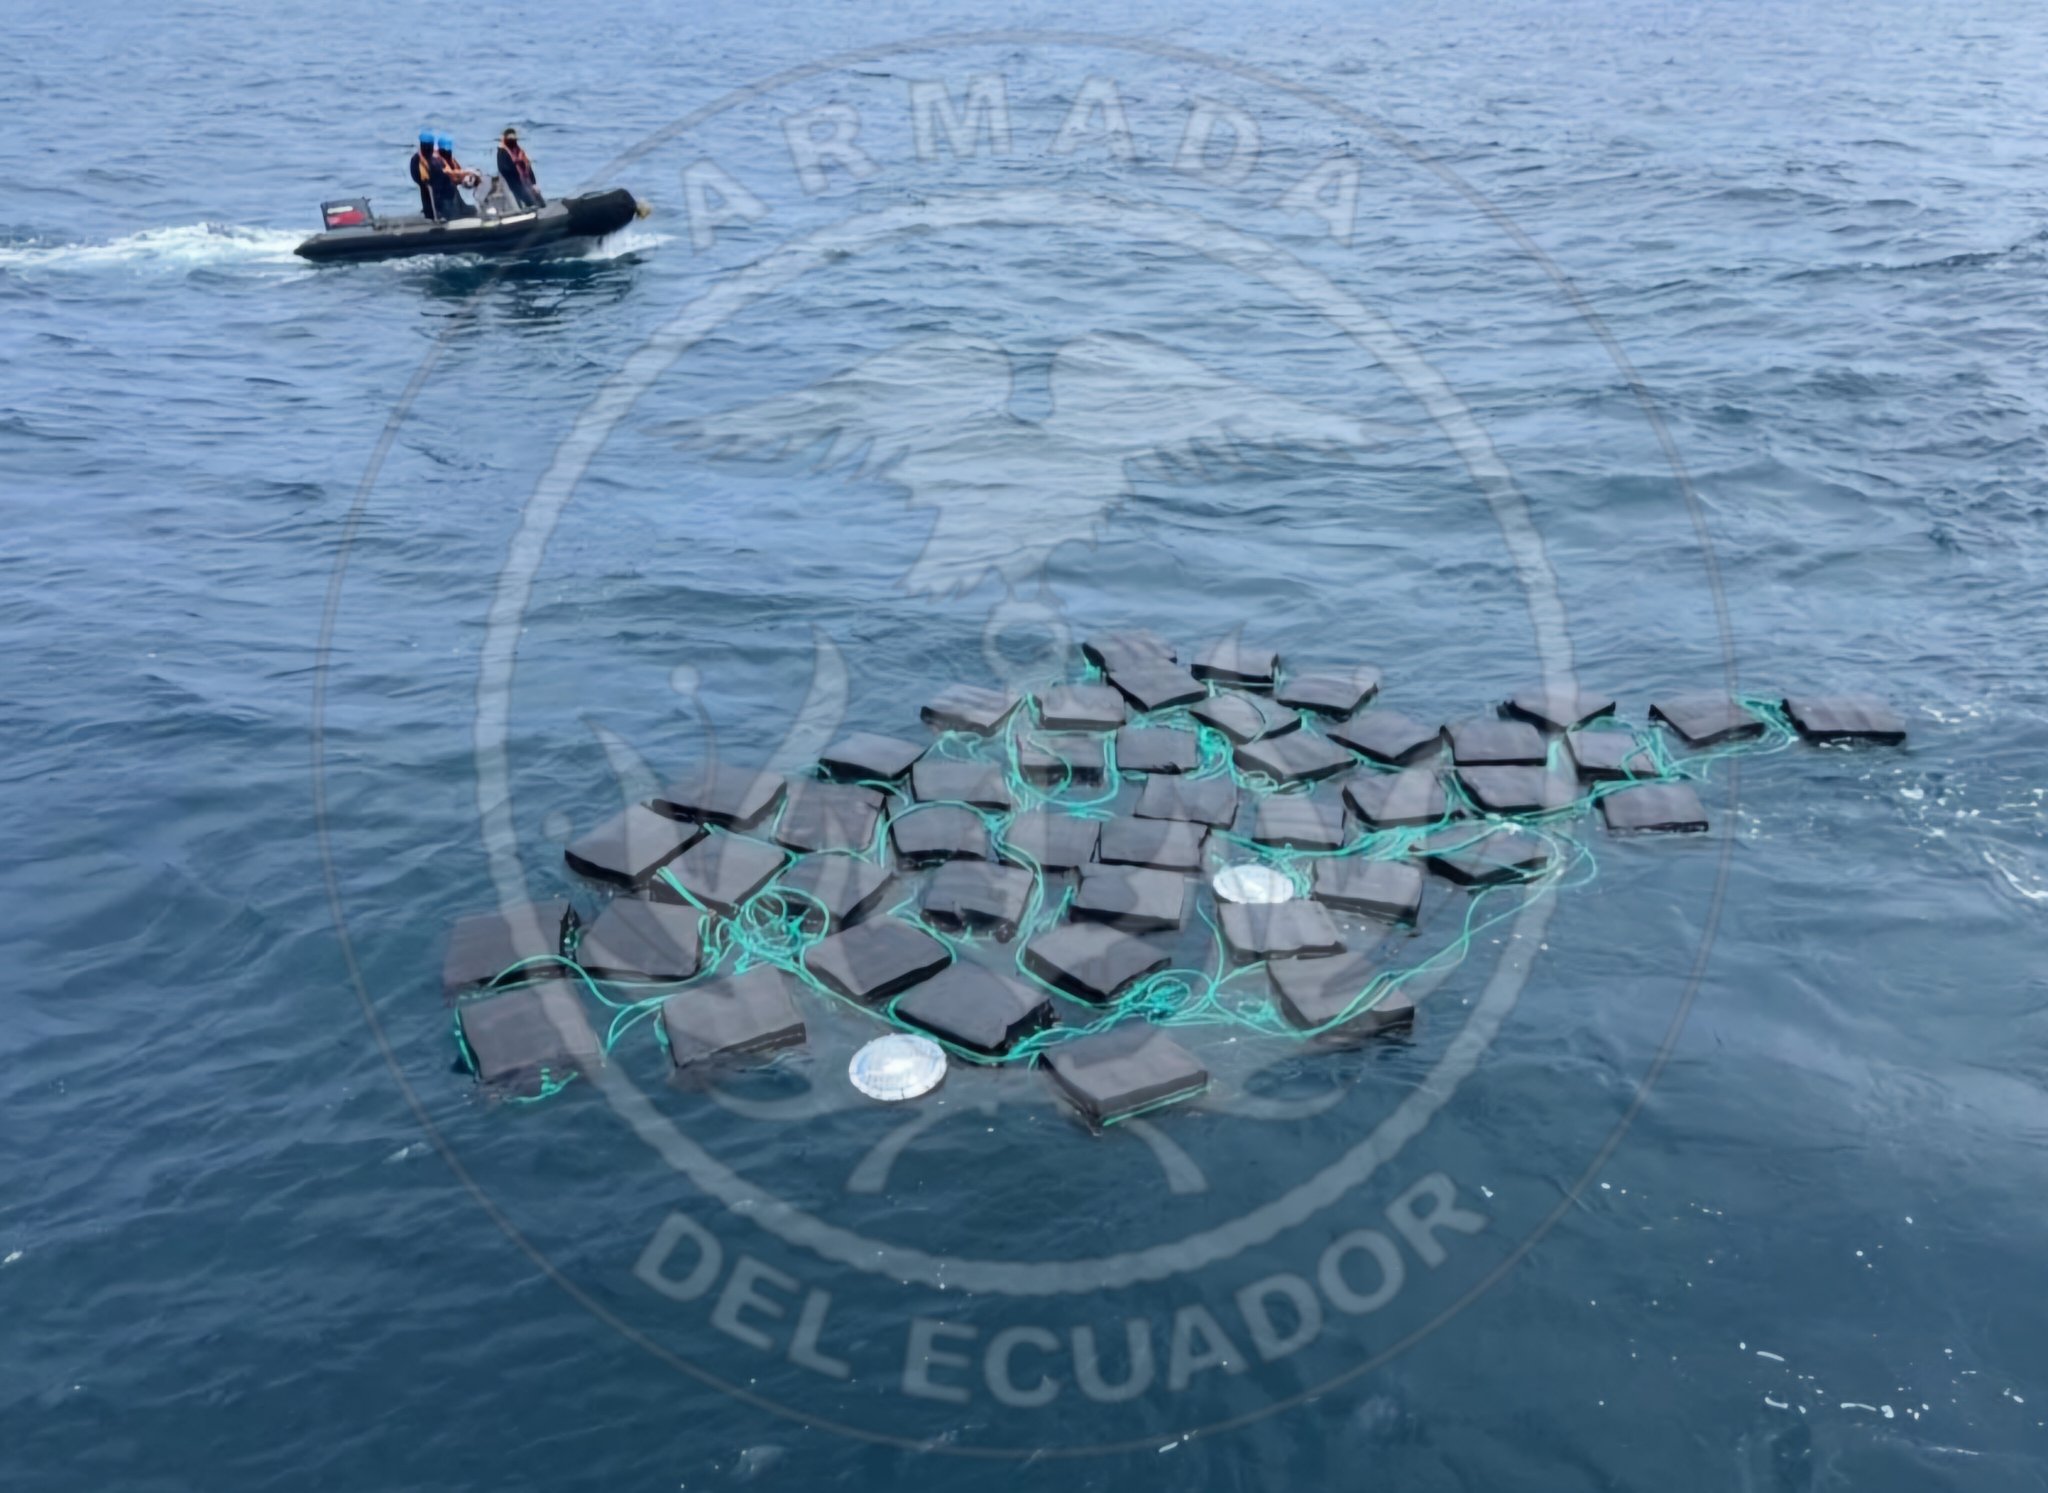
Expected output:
(445, 142)
(426, 137)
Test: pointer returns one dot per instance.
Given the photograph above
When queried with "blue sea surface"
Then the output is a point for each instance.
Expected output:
(1693, 337)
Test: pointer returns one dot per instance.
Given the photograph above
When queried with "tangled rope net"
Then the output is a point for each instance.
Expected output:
(778, 925)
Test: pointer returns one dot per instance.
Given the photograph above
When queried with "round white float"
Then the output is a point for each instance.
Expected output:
(1252, 884)
(898, 1066)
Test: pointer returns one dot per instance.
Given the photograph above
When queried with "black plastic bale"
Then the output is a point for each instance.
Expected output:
(1157, 686)
(1497, 744)
(730, 797)
(1091, 961)
(1845, 718)
(1081, 707)
(1151, 749)
(520, 1040)
(844, 888)
(874, 960)
(487, 945)
(1706, 719)
(734, 1017)
(1389, 737)
(976, 1008)
(1298, 821)
(634, 939)
(970, 708)
(631, 846)
(1163, 844)
(1051, 761)
(1603, 756)
(1380, 889)
(1133, 898)
(1341, 692)
(1123, 1072)
(1519, 790)
(1233, 661)
(828, 816)
(1277, 930)
(868, 757)
(976, 897)
(1210, 801)
(1469, 858)
(1294, 757)
(1315, 992)
(980, 785)
(1668, 808)
(1557, 710)
(1130, 648)
(922, 836)
(1241, 718)
(1394, 800)
(1052, 840)
(722, 871)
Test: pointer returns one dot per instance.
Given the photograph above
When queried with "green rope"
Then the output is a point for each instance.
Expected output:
(1155, 1106)
(778, 926)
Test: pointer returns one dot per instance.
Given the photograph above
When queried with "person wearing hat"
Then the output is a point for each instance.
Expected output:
(421, 167)
(449, 176)
(516, 171)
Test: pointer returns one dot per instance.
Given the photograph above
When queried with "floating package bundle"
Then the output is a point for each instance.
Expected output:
(1083, 877)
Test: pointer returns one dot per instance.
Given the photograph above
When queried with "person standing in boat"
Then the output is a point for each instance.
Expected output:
(516, 171)
(421, 167)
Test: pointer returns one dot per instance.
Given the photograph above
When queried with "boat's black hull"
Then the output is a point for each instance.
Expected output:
(590, 216)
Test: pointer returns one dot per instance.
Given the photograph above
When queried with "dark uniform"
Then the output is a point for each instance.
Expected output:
(421, 167)
(444, 177)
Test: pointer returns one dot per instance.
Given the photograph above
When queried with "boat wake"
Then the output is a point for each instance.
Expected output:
(190, 247)
(632, 239)
(2019, 876)
(177, 250)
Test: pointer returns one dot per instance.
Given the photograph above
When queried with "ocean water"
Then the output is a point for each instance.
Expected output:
(1693, 342)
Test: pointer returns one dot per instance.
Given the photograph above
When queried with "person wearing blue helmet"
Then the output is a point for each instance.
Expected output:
(456, 176)
(421, 168)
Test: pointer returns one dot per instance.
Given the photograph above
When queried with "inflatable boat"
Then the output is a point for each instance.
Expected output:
(354, 232)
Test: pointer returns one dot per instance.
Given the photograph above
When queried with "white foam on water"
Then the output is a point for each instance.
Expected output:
(2017, 874)
(195, 246)
(188, 246)
(632, 239)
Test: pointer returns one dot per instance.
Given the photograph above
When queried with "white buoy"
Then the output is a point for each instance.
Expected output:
(1252, 884)
(898, 1066)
